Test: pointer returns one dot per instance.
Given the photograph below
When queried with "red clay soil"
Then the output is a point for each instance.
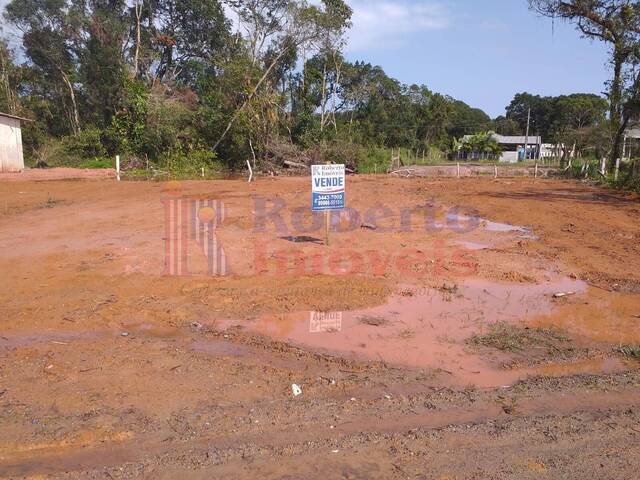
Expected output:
(60, 173)
(111, 367)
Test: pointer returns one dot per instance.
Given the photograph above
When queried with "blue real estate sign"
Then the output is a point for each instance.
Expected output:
(328, 187)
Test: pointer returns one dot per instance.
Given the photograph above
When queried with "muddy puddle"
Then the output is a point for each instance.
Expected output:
(22, 339)
(27, 339)
(473, 246)
(482, 234)
(428, 328)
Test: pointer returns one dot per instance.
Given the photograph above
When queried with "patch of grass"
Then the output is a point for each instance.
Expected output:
(373, 160)
(407, 334)
(50, 203)
(373, 321)
(511, 338)
(632, 351)
(98, 162)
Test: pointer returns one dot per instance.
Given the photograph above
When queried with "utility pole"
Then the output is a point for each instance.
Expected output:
(526, 137)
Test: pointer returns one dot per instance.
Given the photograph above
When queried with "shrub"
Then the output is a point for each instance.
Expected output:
(373, 160)
(188, 164)
(50, 153)
(85, 145)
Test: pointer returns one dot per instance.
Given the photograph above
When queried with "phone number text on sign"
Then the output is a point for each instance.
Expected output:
(328, 187)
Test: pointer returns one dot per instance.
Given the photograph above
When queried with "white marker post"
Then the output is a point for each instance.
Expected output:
(118, 167)
(328, 191)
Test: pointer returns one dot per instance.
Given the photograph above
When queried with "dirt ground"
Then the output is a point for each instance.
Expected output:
(60, 173)
(453, 329)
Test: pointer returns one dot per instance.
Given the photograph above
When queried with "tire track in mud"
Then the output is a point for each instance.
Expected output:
(371, 422)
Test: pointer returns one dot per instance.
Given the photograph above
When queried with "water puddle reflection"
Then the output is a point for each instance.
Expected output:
(422, 327)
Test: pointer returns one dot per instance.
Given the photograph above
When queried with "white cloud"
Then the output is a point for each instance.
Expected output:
(386, 23)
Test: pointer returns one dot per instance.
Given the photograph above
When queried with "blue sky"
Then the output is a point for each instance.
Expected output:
(478, 51)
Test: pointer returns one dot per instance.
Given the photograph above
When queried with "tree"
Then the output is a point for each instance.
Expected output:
(333, 26)
(580, 110)
(574, 116)
(185, 32)
(298, 25)
(615, 22)
(8, 79)
(506, 126)
(50, 36)
(541, 113)
(466, 120)
(483, 142)
(137, 11)
(101, 63)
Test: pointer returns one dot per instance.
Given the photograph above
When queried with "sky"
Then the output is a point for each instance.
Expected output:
(482, 52)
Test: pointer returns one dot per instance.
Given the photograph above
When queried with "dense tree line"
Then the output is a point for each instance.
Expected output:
(178, 81)
(188, 84)
(617, 24)
(576, 123)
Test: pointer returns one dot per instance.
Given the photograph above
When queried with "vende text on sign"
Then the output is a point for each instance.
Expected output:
(328, 187)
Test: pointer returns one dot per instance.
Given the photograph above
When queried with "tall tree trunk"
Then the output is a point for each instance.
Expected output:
(75, 124)
(138, 11)
(615, 108)
(334, 93)
(323, 102)
(12, 104)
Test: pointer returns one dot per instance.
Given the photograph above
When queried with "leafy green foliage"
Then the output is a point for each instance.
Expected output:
(481, 143)
(127, 127)
(87, 144)
(180, 163)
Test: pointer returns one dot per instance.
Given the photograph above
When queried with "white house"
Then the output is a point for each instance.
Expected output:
(11, 158)
(513, 148)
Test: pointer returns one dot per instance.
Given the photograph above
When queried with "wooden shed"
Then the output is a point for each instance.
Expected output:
(11, 158)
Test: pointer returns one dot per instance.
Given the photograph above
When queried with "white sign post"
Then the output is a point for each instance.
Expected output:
(328, 191)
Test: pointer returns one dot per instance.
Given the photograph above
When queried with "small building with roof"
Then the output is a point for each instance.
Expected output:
(513, 148)
(11, 157)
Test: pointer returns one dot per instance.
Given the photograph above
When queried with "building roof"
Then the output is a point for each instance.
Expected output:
(15, 117)
(517, 140)
(633, 130)
(512, 140)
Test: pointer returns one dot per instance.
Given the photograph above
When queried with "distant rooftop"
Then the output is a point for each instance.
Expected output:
(633, 131)
(513, 140)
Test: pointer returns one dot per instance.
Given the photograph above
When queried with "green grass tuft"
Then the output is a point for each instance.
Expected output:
(512, 338)
(632, 351)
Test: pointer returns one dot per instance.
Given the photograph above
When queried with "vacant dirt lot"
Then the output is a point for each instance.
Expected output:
(453, 329)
